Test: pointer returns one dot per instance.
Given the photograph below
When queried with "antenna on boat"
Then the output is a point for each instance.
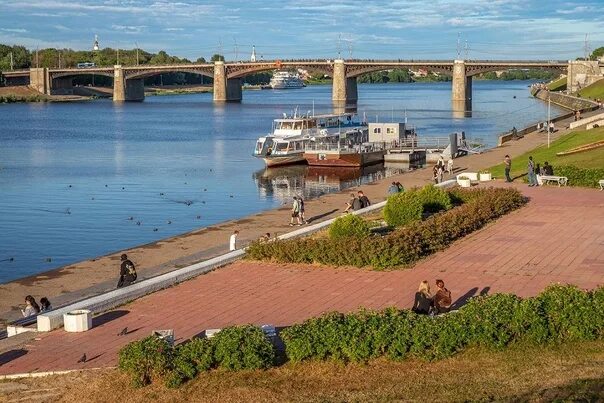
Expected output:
(392, 115)
(405, 116)
(313, 108)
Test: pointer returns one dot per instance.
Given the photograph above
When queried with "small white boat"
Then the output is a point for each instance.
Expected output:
(285, 80)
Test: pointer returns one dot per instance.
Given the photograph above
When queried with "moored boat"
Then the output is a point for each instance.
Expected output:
(285, 80)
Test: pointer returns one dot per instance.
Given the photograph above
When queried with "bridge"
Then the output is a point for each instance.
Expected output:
(128, 81)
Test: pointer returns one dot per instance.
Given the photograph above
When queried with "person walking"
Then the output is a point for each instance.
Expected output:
(435, 174)
(233, 240)
(295, 212)
(127, 272)
(301, 202)
(532, 179)
(450, 166)
(507, 162)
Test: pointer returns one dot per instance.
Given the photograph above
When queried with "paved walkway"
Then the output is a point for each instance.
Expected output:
(558, 237)
(96, 276)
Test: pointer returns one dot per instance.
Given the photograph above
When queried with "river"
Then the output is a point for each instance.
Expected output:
(79, 180)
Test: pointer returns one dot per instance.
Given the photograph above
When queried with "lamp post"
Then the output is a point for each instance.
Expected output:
(549, 106)
(136, 43)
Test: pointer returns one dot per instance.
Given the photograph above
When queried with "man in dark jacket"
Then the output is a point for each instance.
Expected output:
(127, 272)
(442, 298)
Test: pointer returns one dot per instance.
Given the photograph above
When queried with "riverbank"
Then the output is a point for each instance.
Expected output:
(23, 94)
(94, 276)
(177, 89)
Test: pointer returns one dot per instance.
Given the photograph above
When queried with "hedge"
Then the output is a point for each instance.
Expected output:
(586, 177)
(559, 314)
(233, 348)
(403, 246)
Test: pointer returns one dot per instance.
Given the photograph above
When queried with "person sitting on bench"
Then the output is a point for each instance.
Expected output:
(548, 169)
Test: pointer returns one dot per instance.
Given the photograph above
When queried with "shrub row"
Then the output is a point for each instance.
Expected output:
(402, 246)
(233, 348)
(558, 314)
(405, 207)
(586, 177)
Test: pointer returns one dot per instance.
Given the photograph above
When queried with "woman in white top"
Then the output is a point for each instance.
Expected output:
(31, 307)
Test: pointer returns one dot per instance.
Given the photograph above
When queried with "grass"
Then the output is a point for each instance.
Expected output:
(594, 91)
(588, 159)
(521, 373)
(557, 85)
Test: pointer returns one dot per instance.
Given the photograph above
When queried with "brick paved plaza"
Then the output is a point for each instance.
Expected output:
(558, 237)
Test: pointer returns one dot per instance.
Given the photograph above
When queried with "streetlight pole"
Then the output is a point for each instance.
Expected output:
(136, 43)
(549, 106)
(118, 56)
(12, 63)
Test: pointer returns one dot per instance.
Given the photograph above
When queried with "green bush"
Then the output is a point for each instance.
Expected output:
(146, 360)
(586, 177)
(190, 359)
(570, 313)
(406, 207)
(401, 247)
(434, 199)
(403, 208)
(243, 347)
(350, 225)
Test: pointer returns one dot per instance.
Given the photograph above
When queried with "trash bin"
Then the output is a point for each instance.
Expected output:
(77, 321)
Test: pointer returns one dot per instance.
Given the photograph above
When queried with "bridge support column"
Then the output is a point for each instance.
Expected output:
(127, 90)
(39, 80)
(581, 73)
(225, 89)
(344, 89)
(461, 91)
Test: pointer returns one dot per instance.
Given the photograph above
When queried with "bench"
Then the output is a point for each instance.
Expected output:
(601, 183)
(560, 180)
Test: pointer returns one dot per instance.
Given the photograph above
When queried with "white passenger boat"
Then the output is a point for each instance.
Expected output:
(291, 135)
(286, 80)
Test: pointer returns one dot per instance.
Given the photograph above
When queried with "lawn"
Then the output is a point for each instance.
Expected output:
(557, 85)
(594, 91)
(587, 159)
(567, 372)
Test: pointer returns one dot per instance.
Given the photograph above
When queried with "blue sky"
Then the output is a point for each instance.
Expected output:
(406, 29)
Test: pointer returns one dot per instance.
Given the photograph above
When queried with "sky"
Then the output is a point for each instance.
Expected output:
(403, 29)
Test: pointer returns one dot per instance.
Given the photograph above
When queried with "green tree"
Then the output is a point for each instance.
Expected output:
(216, 57)
(599, 52)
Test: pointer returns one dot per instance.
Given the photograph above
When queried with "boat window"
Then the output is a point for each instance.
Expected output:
(281, 146)
(389, 130)
(377, 130)
(259, 146)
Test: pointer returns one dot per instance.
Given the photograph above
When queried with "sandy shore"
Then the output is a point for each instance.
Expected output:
(94, 276)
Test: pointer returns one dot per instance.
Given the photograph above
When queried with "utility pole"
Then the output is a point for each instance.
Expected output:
(59, 59)
(118, 56)
(236, 50)
(340, 46)
(12, 63)
(586, 47)
(37, 59)
(458, 46)
(136, 43)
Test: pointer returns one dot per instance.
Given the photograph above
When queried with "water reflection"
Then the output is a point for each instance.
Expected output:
(283, 183)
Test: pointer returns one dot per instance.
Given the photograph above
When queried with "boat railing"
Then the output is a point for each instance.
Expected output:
(347, 147)
(424, 143)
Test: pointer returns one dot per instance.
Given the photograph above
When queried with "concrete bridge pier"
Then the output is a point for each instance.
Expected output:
(39, 80)
(225, 89)
(461, 91)
(127, 89)
(344, 89)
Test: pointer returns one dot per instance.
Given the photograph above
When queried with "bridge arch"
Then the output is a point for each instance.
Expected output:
(137, 74)
(357, 71)
(242, 70)
(73, 74)
(473, 71)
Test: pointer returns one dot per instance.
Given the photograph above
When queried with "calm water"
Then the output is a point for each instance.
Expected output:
(80, 180)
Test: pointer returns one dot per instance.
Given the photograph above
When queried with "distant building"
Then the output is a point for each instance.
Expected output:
(253, 56)
(95, 46)
(419, 72)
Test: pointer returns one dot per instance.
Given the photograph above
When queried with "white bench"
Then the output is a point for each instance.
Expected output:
(560, 180)
(601, 183)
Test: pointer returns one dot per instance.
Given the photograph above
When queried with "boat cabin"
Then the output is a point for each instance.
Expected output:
(393, 132)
